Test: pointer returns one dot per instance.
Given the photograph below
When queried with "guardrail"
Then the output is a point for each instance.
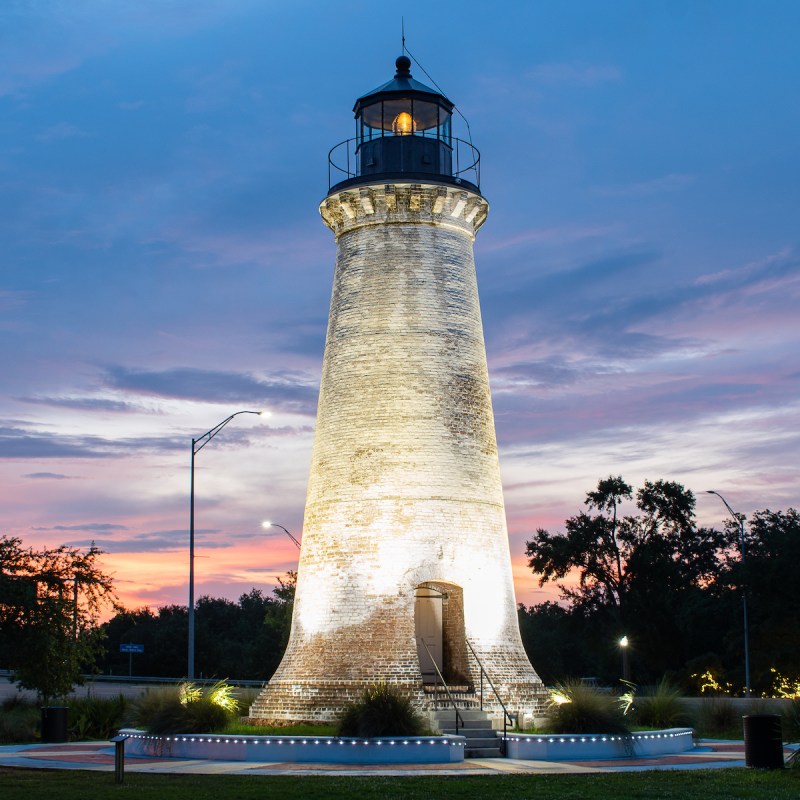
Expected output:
(344, 160)
(506, 716)
(439, 675)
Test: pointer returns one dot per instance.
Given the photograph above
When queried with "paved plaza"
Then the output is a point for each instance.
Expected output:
(99, 756)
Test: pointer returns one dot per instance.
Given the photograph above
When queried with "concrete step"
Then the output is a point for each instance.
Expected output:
(468, 724)
(466, 713)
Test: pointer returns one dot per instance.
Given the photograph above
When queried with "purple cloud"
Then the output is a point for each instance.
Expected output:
(282, 392)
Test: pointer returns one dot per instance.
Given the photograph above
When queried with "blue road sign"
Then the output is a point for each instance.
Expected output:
(131, 648)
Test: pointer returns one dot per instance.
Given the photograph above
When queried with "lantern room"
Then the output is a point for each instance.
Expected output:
(403, 107)
(403, 131)
(404, 126)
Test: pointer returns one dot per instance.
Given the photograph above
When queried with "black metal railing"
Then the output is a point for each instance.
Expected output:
(344, 161)
(440, 677)
(506, 716)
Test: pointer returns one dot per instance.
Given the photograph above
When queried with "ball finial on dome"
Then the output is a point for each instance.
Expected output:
(403, 65)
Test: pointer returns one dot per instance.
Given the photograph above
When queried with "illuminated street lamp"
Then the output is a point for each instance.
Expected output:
(197, 445)
(740, 520)
(267, 524)
(626, 665)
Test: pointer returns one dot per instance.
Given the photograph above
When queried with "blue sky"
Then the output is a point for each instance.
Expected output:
(163, 264)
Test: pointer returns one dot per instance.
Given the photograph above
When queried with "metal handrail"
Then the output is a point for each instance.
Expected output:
(346, 153)
(444, 683)
(506, 715)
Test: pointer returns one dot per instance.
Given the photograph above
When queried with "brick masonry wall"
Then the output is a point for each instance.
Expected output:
(404, 486)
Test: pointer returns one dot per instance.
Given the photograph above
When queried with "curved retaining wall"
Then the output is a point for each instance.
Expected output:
(309, 749)
(572, 747)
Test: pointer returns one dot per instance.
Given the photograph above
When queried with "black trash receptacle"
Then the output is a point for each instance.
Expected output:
(54, 724)
(763, 741)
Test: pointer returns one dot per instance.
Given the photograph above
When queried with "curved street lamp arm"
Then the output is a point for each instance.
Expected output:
(275, 525)
(733, 513)
(201, 441)
(736, 517)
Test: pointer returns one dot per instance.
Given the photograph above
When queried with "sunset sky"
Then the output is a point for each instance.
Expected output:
(163, 263)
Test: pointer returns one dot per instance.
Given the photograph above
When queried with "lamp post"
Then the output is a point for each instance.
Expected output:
(740, 520)
(197, 445)
(626, 664)
(267, 524)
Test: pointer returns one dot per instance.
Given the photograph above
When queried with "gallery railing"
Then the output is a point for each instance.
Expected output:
(344, 160)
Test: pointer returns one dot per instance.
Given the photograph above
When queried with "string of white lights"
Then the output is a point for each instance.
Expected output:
(277, 740)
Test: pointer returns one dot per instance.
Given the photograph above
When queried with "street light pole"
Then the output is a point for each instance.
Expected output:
(740, 520)
(197, 445)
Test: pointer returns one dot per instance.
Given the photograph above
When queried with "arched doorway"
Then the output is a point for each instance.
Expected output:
(439, 628)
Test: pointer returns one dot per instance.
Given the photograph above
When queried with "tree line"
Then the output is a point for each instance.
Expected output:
(244, 639)
(674, 589)
(632, 564)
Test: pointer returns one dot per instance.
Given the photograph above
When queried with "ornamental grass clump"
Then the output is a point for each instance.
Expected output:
(19, 720)
(791, 721)
(720, 717)
(381, 711)
(577, 708)
(96, 717)
(661, 706)
(186, 709)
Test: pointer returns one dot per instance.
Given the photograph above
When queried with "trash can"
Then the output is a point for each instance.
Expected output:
(54, 724)
(763, 741)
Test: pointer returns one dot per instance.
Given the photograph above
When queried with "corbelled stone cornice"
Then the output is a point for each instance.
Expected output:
(379, 204)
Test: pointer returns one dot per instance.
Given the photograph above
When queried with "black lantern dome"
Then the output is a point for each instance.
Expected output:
(404, 132)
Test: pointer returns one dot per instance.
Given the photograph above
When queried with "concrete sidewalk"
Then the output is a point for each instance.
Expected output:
(99, 756)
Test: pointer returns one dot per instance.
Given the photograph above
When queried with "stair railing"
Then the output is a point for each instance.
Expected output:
(506, 716)
(440, 677)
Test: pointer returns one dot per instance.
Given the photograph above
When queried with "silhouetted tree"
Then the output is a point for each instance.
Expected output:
(771, 574)
(50, 603)
(245, 639)
(645, 575)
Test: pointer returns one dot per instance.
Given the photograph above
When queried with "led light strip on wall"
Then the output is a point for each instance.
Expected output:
(582, 739)
(454, 742)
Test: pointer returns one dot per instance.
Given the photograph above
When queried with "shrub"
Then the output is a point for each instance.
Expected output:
(381, 711)
(222, 694)
(578, 708)
(19, 721)
(185, 709)
(791, 720)
(89, 718)
(96, 717)
(661, 706)
(719, 717)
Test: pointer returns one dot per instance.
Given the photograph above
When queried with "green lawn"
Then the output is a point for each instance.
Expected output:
(723, 784)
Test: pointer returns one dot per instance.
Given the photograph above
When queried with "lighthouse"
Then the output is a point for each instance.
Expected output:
(405, 569)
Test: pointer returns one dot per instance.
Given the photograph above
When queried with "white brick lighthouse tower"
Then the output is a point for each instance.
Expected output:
(405, 570)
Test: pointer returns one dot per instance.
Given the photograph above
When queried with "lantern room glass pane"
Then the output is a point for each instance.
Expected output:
(406, 116)
(368, 132)
(445, 123)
